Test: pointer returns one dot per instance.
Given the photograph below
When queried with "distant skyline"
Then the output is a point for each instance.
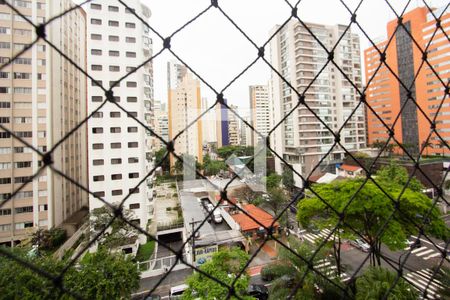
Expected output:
(218, 52)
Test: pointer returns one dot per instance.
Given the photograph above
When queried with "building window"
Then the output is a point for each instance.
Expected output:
(132, 114)
(43, 207)
(5, 212)
(25, 209)
(96, 67)
(133, 175)
(130, 25)
(135, 206)
(116, 176)
(96, 52)
(97, 114)
(130, 69)
(98, 178)
(99, 194)
(114, 53)
(96, 22)
(96, 37)
(114, 68)
(114, 83)
(130, 54)
(131, 99)
(114, 114)
(115, 129)
(113, 23)
(113, 8)
(130, 39)
(97, 98)
(97, 130)
(132, 129)
(116, 145)
(116, 161)
(132, 144)
(113, 38)
(131, 84)
(133, 160)
(133, 191)
(98, 162)
(116, 192)
(97, 146)
(96, 6)
(23, 225)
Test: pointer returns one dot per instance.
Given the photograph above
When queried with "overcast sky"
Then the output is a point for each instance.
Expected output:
(218, 52)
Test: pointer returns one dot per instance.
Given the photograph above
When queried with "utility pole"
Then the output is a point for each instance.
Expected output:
(193, 237)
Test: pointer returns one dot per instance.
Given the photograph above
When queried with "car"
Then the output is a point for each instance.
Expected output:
(176, 292)
(209, 207)
(217, 217)
(258, 291)
(360, 244)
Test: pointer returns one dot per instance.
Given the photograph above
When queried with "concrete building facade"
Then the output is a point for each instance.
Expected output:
(119, 147)
(42, 97)
(303, 139)
(259, 111)
(387, 97)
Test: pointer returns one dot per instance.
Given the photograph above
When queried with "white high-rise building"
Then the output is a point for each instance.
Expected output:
(259, 112)
(209, 123)
(302, 139)
(234, 131)
(161, 124)
(119, 147)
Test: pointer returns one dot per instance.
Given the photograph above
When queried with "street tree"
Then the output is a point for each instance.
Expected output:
(189, 160)
(276, 201)
(393, 176)
(288, 179)
(376, 282)
(272, 181)
(159, 159)
(225, 265)
(213, 167)
(118, 233)
(363, 212)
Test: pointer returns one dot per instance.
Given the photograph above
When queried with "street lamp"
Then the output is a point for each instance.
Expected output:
(416, 245)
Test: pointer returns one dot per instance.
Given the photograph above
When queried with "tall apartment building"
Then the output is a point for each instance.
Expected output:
(259, 111)
(119, 147)
(222, 125)
(42, 97)
(234, 130)
(161, 125)
(301, 139)
(246, 132)
(385, 94)
(209, 123)
(184, 106)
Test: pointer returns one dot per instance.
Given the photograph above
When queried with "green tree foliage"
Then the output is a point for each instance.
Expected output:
(276, 201)
(290, 269)
(288, 179)
(213, 167)
(187, 159)
(368, 211)
(159, 158)
(224, 266)
(272, 181)
(49, 239)
(100, 275)
(117, 234)
(376, 282)
(394, 176)
(226, 151)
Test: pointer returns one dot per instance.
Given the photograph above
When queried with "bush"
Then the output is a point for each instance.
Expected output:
(49, 239)
(145, 251)
(272, 271)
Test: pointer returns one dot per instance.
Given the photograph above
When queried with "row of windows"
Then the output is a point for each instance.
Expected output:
(21, 179)
(130, 84)
(112, 23)
(113, 53)
(114, 177)
(118, 193)
(111, 38)
(21, 75)
(116, 99)
(22, 134)
(113, 129)
(110, 8)
(8, 150)
(99, 146)
(111, 68)
(99, 114)
(115, 161)
(20, 46)
(22, 61)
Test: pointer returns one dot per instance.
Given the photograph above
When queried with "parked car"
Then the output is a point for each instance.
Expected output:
(258, 291)
(360, 244)
(177, 291)
(209, 207)
(217, 217)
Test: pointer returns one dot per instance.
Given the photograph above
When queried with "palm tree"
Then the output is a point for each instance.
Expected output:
(376, 282)
(426, 144)
(290, 269)
(442, 145)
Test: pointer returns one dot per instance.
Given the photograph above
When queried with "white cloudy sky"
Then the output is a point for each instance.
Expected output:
(218, 52)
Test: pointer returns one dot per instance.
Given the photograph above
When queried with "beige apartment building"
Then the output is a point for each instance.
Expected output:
(259, 112)
(184, 106)
(42, 97)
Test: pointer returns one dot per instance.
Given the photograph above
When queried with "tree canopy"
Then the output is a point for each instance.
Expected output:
(224, 266)
(100, 275)
(367, 209)
(213, 167)
(159, 158)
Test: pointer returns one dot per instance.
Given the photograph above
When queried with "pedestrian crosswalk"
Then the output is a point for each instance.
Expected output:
(312, 238)
(424, 252)
(423, 280)
(329, 270)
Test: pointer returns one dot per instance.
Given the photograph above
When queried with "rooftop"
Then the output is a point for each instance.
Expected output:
(246, 223)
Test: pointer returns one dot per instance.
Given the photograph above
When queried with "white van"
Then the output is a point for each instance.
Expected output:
(177, 291)
(217, 216)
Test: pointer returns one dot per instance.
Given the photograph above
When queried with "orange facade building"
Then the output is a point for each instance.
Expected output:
(427, 86)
